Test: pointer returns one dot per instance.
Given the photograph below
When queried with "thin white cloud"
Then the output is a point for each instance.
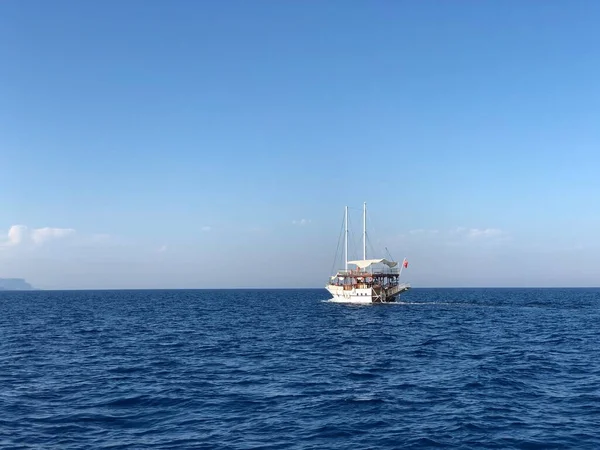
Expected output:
(479, 236)
(301, 222)
(16, 235)
(163, 249)
(206, 228)
(478, 233)
(20, 234)
(41, 235)
(484, 233)
(456, 236)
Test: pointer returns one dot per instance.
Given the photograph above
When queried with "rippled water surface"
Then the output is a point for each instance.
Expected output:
(456, 368)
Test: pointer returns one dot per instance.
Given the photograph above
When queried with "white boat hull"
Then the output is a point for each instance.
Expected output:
(351, 299)
(366, 295)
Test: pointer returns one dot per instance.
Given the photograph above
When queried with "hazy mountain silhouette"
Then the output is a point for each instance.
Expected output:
(14, 284)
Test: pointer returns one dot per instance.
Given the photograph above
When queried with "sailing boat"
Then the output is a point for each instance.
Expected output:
(370, 280)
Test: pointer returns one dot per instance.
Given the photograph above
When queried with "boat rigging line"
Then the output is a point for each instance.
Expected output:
(338, 248)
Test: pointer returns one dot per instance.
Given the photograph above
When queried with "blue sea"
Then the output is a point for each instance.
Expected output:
(278, 369)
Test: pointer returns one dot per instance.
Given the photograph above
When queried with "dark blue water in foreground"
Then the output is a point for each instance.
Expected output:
(456, 368)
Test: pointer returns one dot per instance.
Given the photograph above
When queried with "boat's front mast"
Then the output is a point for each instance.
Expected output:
(346, 239)
(364, 230)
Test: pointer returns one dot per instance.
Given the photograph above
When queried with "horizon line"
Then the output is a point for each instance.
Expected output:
(283, 288)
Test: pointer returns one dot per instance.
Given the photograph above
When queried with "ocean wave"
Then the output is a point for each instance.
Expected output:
(220, 369)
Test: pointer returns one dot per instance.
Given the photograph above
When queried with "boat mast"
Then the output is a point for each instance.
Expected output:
(365, 230)
(346, 238)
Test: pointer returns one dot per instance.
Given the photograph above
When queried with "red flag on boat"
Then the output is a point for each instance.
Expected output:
(405, 264)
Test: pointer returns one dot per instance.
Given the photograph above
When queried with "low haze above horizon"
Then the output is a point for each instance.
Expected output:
(154, 144)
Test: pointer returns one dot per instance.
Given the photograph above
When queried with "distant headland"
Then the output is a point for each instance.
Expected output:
(14, 284)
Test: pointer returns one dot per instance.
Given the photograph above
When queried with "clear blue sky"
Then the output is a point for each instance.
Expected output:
(159, 143)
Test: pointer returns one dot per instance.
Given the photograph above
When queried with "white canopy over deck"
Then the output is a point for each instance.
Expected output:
(364, 263)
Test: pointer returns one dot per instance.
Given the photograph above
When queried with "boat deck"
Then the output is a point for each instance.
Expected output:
(364, 274)
(376, 286)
